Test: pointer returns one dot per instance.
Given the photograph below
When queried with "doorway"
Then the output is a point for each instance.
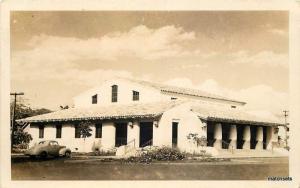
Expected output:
(146, 134)
(174, 134)
(121, 134)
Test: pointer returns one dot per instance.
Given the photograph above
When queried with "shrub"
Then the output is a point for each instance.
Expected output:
(104, 153)
(159, 154)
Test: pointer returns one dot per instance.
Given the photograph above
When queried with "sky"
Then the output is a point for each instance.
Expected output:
(239, 54)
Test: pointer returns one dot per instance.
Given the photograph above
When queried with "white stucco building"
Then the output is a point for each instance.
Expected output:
(126, 112)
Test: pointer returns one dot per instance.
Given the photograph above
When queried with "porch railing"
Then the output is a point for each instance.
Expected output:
(127, 146)
(148, 143)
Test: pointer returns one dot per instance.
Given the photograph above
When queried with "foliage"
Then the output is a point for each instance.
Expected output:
(200, 141)
(21, 137)
(159, 154)
(85, 129)
(104, 153)
(24, 111)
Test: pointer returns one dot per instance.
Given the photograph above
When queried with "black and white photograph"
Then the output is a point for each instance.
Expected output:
(138, 95)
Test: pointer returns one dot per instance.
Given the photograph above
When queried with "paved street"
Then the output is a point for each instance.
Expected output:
(69, 169)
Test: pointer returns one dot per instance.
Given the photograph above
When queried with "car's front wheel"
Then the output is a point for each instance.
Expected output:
(68, 154)
(44, 155)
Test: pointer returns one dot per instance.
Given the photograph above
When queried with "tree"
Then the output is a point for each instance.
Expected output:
(22, 138)
(23, 111)
(85, 129)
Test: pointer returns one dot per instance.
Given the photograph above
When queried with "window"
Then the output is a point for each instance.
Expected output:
(94, 99)
(135, 95)
(173, 98)
(77, 132)
(114, 93)
(41, 131)
(58, 131)
(53, 143)
(98, 130)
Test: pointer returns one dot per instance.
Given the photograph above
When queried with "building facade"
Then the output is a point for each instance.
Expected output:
(126, 113)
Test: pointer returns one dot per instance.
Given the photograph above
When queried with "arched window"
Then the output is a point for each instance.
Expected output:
(114, 93)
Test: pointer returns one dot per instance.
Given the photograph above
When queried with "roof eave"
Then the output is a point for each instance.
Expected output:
(90, 118)
(226, 120)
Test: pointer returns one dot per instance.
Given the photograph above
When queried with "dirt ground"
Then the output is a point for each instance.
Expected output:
(69, 169)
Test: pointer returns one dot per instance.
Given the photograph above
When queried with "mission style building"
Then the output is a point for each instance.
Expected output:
(126, 112)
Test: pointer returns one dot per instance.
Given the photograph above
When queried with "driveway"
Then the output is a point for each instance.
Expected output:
(69, 169)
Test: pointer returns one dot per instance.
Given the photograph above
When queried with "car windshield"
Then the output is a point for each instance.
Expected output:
(42, 142)
(53, 143)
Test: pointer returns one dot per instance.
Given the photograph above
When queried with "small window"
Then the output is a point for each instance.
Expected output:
(135, 95)
(114, 93)
(98, 133)
(41, 131)
(77, 132)
(58, 131)
(173, 98)
(94, 99)
(233, 106)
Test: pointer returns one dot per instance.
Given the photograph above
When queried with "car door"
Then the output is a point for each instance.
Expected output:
(53, 148)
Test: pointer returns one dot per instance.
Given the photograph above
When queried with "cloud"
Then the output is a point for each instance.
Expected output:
(262, 58)
(260, 99)
(139, 42)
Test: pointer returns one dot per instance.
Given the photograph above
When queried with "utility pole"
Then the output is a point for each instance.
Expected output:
(286, 126)
(14, 117)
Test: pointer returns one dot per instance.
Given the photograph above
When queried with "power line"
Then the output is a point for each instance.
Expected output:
(15, 94)
(286, 126)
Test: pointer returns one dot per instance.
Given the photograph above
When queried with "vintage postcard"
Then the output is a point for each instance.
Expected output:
(100, 94)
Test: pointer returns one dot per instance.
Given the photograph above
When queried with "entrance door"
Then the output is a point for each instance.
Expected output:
(121, 134)
(174, 134)
(146, 134)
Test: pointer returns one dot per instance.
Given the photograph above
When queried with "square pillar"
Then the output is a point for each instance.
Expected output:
(108, 135)
(259, 138)
(272, 136)
(232, 136)
(246, 137)
(133, 131)
(218, 136)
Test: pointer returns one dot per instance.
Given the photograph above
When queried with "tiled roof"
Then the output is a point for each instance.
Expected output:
(183, 91)
(231, 115)
(138, 110)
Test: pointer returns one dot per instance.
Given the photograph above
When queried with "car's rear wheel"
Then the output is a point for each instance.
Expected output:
(68, 154)
(44, 155)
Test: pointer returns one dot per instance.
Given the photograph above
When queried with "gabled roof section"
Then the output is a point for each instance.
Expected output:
(138, 110)
(183, 91)
(231, 115)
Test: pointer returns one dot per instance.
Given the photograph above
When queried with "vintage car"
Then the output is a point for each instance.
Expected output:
(48, 148)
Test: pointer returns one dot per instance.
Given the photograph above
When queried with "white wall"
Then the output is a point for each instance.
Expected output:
(125, 88)
(188, 122)
(146, 94)
(68, 137)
